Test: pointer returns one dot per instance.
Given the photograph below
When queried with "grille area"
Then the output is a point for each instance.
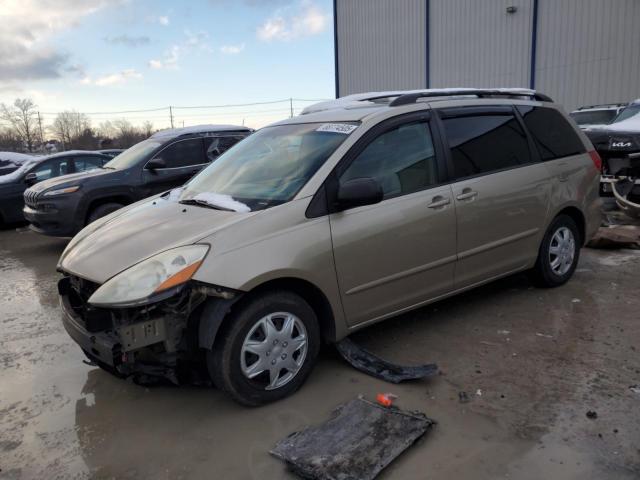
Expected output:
(30, 197)
(78, 291)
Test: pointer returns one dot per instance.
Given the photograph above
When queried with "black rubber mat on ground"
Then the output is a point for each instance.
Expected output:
(358, 441)
(375, 366)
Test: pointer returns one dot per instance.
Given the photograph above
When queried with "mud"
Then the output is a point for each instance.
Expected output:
(532, 363)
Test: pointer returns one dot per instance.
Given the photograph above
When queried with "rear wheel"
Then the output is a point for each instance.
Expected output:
(266, 350)
(102, 210)
(559, 253)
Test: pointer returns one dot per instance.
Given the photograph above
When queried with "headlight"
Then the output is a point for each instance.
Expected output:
(153, 275)
(61, 191)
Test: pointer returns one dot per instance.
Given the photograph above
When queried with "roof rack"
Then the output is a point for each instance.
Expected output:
(403, 97)
(413, 97)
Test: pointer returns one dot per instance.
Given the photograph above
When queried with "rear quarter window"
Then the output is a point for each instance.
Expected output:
(486, 143)
(553, 135)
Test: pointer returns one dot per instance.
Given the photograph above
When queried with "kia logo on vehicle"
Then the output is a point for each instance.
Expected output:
(620, 144)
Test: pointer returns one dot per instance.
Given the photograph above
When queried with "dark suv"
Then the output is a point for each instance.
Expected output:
(38, 169)
(63, 206)
(618, 143)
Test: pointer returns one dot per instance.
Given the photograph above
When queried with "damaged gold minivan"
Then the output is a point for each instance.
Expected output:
(311, 228)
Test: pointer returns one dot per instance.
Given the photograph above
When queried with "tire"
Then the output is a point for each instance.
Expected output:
(227, 361)
(102, 210)
(546, 272)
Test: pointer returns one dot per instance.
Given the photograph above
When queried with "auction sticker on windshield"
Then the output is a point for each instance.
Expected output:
(344, 128)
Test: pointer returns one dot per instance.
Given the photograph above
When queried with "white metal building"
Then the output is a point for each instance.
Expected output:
(579, 52)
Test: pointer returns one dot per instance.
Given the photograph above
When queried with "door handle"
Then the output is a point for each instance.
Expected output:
(439, 202)
(467, 194)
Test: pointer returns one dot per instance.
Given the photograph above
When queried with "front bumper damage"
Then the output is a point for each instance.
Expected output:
(158, 340)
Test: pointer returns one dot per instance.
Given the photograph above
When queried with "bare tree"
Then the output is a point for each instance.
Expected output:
(147, 128)
(70, 127)
(23, 120)
(10, 140)
(121, 133)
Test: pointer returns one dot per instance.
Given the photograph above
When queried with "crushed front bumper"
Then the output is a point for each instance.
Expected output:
(102, 346)
(150, 344)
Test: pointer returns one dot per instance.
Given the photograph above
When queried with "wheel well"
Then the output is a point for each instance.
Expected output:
(122, 199)
(310, 293)
(577, 216)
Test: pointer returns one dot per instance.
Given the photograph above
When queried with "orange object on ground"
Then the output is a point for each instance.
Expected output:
(386, 399)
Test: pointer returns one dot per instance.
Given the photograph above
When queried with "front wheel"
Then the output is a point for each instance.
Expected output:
(266, 349)
(103, 210)
(559, 253)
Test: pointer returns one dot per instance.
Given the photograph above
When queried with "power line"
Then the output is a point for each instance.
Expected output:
(271, 102)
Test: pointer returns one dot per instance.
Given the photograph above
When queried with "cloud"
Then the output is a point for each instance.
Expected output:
(193, 42)
(114, 78)
(159, 19)
(197, 40)
(232, 49)
(169, 60)
(301, 20)
(128, 41)
(27, 25)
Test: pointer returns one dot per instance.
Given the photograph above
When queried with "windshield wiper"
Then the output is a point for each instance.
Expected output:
(201, 203)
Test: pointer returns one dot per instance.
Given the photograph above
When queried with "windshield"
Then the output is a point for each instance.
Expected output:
(133, 155)
(627, 113)
(271, 166)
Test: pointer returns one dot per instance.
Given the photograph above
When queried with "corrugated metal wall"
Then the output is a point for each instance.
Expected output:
(478, 44)
(381, 45)
(589, 51)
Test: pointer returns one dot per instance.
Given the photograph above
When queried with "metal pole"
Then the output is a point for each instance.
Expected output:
(171, 115)
(40, 124)
(291, 105)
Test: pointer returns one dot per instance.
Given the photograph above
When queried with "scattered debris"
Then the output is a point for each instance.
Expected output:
(576, 300)
(359, 441)
(479, 392)
(635, 388)
(616, 237)
(592, 414)
(503, 332)
(370, 364)
(543, 335)
(463, 397)
(386, 399)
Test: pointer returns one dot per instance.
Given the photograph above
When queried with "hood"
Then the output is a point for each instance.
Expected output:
(70, 180)
(139, 232)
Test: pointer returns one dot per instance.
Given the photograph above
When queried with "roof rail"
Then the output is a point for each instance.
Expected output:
(478, 92)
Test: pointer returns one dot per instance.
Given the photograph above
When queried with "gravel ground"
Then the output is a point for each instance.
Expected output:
(531, 362)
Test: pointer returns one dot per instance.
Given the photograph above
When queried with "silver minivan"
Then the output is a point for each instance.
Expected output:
(355, 211)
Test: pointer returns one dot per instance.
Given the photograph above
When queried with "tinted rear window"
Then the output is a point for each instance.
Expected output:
(486, 143)
(593, 117)
(553, 134)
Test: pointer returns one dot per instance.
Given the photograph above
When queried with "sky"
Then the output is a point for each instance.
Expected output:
(122, 55)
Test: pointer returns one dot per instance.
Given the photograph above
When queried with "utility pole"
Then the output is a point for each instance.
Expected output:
(171, 115)
(291, 106)
(40, 125)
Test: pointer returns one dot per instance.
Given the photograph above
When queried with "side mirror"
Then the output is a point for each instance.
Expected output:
(156, 164)
(358, 192)
(30, 178)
